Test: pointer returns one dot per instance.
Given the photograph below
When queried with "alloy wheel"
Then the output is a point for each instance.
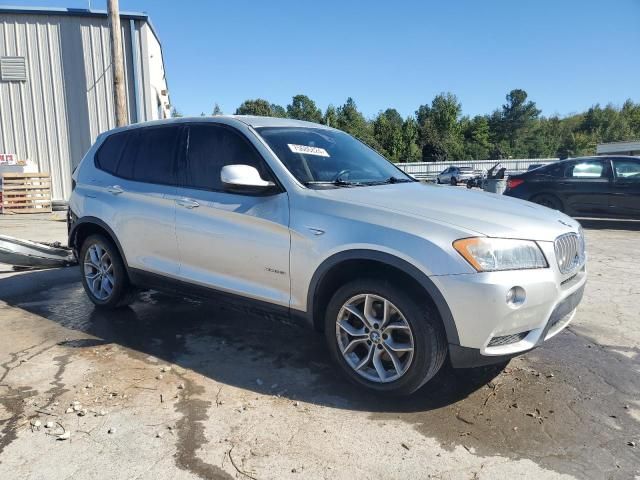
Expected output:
(374, 338)
(98, 272)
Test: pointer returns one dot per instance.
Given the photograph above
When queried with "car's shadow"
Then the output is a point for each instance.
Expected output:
(244, 349)
(609, 224)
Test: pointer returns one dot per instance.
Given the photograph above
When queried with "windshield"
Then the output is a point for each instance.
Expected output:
(317, 156)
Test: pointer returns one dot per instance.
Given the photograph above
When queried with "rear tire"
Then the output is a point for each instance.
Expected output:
(396, 352)
(104, 276)
(548, 201)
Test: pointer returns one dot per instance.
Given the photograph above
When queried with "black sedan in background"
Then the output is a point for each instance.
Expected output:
(587, 187)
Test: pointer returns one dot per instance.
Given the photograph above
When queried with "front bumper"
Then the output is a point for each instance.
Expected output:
(490, 330)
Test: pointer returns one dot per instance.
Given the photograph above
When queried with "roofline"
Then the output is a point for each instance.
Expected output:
(233, 120)
(77, 12)
(621, 142)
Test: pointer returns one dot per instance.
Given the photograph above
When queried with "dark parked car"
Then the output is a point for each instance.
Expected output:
(589, 186)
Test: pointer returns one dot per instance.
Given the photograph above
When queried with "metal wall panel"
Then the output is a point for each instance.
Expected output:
(67, 101)
(33, 113)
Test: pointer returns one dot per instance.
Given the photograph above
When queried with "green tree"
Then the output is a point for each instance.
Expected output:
(278, 111)
(512, 124)
(330, 116)
(477, 137)
(349, 119)
(606, 124)
(258, 107)
(175, 113)
(574, 144)
(216, 110)
(631, 114)
(410, 138)
(440, 132)
(303, 108)
(387, 131)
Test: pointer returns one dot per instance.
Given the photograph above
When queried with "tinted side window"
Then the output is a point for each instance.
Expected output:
(125, 167)
(110, 152)
(156, 154)
(211, 148)
(585, 169)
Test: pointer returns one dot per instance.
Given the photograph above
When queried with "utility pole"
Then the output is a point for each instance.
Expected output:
(117, 64)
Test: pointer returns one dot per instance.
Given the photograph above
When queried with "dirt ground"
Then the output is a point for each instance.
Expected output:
(180, 388)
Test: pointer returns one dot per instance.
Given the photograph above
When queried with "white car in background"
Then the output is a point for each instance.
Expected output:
(455, 175)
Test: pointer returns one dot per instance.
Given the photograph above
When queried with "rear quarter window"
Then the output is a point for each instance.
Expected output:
(148, 154)
(550, 171)
(110, 152)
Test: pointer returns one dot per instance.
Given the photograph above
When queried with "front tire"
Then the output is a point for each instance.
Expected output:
(383, 339)
(548, 201)
(104, 276)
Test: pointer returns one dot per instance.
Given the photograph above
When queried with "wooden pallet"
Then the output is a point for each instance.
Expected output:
(25, 193)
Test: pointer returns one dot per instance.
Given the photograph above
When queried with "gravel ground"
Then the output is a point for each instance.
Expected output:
(181, 388)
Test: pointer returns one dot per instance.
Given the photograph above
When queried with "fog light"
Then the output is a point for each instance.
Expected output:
(516, 297)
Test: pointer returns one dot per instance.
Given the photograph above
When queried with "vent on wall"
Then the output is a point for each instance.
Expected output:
(13, 69)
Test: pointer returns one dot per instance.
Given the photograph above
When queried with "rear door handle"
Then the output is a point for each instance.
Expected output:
(187, 203)
(115, 189)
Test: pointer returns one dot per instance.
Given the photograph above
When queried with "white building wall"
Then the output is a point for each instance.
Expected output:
(157, 98)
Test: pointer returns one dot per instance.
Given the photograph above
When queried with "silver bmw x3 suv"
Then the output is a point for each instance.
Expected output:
(305, 221)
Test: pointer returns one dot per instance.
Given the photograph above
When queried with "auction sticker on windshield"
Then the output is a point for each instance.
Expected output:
(307, 150)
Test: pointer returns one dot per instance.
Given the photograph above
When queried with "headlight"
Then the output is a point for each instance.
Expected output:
(495, 254)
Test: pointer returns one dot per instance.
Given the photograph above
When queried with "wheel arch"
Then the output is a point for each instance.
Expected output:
(86, 226)
(552, 195)
(341, 267)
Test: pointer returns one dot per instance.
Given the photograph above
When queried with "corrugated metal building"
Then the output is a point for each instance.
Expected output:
(619, 148)
(56, 86)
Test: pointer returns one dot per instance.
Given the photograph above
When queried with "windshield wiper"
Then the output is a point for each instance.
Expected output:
(336, 183)
(389, 180)
(398, 180)
(346, 183)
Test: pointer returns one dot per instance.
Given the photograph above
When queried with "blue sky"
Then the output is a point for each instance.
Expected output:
(568, 55)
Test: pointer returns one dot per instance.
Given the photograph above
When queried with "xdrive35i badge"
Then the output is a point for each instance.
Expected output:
(273, 270)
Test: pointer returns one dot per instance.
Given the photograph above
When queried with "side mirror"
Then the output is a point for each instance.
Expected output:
(243, 179)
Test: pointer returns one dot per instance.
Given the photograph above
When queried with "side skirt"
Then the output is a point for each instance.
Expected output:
(141, 279)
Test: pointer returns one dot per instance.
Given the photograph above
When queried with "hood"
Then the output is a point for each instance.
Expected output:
(487, 214)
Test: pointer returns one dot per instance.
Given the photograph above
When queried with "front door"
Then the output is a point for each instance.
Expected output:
(236, 243)
(586, 187)
(625, 198)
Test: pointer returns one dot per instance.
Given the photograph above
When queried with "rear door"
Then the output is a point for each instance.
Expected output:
(586, 186)
(233, 242)
(142, 215)
(625, 198)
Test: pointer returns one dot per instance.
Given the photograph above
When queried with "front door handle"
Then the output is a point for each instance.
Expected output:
(115, 190)
(187, 203)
